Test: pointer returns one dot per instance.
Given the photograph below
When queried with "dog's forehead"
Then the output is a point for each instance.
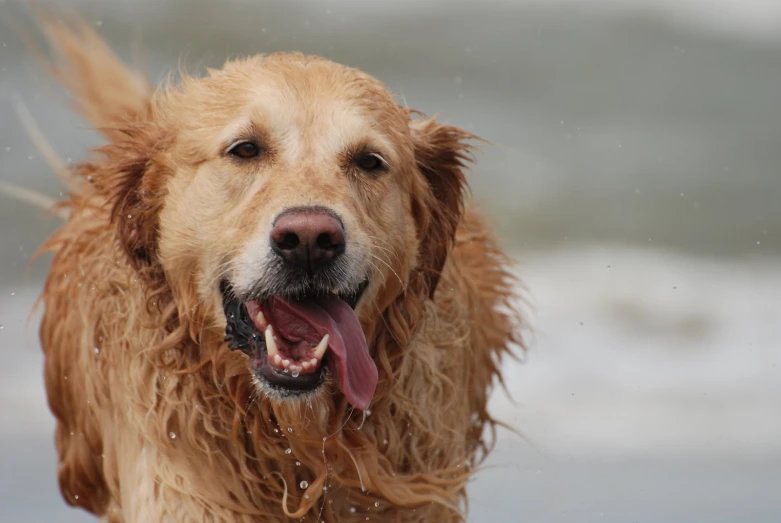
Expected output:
(310, 99)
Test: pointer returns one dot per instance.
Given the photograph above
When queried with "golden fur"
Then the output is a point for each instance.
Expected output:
(156, 419)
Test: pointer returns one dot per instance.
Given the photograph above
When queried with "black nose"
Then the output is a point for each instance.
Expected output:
(309, 237)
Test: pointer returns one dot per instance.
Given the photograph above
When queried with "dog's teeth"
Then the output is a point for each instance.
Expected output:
(278, 360)
(285, 363)
(271, 346)
(313, 362)
(321, 347)
(260, 319)
(306, 365)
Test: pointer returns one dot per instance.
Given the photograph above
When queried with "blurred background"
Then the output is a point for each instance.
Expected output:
(634, 173)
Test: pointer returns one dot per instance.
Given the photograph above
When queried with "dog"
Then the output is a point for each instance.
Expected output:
(270, 299)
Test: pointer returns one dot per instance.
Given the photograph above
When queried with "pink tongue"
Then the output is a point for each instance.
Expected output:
(349, 360)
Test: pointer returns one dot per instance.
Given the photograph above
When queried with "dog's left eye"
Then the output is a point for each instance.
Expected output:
(371, 162)
(244, 150)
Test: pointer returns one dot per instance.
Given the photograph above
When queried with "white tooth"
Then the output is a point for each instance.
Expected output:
(271, 346)
(285, 363)
(278, 360)
(306, 365)
(321, 347)
(260, 319)
(295, 368)
(313, 362)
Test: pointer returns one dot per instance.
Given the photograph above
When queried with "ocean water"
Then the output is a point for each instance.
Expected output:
(634, 121)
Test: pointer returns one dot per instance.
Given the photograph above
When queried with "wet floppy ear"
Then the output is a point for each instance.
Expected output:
(442, 154)
(131, 177)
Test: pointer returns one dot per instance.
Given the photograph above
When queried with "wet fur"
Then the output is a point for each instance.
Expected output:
(158, 421)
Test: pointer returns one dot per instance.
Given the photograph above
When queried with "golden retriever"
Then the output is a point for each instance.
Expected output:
(269, 300)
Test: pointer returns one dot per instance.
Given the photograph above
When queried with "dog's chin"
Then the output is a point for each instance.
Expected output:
(289, 355)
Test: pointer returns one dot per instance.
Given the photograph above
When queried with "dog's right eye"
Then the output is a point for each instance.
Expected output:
(244, 150)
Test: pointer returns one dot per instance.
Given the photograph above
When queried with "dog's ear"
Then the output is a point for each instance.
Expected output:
(119, 103)
(442, 153)
(131, 178)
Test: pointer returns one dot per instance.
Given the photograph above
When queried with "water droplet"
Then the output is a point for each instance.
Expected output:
(276, 431)
(376, 503)
(288, 451)
(298, 463)
(15, 293)
(325, 488)
(353, 510)
(76, 496)
(385, 442)
(294, 373)
(129, 216)
(97, 350)
(368, 412)
(290, 429)
(172, 435)
(304, 484)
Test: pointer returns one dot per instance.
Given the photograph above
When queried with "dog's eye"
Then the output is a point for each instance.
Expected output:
(244, 150)
(371, 162)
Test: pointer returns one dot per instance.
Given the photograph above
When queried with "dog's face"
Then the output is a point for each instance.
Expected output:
(300, 197)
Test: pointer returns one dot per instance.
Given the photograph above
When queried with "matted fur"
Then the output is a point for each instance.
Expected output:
(158, 421)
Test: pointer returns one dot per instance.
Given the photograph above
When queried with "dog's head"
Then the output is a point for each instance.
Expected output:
(299, 200)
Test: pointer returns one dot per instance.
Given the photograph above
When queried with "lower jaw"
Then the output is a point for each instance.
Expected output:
(284, 381)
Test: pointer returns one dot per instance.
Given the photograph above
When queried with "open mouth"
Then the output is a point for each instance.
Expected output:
(293, 342)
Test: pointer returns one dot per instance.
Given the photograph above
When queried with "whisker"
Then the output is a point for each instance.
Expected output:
(386, 250)
(403, 286)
